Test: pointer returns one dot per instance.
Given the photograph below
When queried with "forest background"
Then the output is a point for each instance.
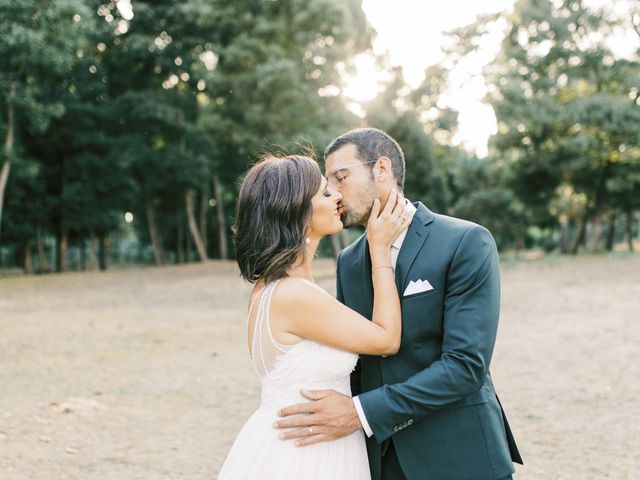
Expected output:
(127, 127)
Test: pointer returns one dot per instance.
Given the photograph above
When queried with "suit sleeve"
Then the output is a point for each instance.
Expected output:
(355, 375)
(470, 322)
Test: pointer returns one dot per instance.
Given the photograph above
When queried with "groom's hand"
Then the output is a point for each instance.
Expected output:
(329, 416)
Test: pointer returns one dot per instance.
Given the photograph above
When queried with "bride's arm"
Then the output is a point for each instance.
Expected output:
(311, 313)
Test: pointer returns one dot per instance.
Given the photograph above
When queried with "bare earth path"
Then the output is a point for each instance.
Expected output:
(143, 373)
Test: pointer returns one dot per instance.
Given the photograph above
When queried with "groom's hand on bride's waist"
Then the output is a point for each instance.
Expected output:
(328, 416)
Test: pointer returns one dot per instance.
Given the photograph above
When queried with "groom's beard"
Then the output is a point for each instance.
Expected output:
(350, 218)
(349, 221)
(358, 211)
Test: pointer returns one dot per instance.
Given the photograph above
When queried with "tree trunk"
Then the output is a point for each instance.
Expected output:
(154, 234)
(519, 244)
(28, 262)
(4, 177)
(599, 204)
(611, 232)
(204, 203)
(222, 226)
(102, 252)
(193, 226)
(580, 235)
(594, 229)
(61, 251)
(8, 147)
(630, 230)
(564, 234)
(94, 250)
(42, 259)
(180, 237)
(187, 247)
(83, 255)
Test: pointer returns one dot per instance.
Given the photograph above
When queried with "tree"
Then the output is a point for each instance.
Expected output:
(272, 77)
(157, 106)
(566, 106)
(37, 50)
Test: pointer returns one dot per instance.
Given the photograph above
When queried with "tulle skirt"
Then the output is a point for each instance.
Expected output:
(258, 453)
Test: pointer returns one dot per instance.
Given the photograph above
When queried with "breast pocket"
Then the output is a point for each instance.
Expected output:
(415, 296)
(422, 315)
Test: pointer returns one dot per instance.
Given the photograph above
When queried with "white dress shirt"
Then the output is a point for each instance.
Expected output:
(395, 251)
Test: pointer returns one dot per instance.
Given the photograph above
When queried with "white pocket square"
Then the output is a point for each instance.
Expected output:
(418, 286)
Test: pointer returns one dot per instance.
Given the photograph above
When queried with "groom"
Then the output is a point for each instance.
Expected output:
(430, 411)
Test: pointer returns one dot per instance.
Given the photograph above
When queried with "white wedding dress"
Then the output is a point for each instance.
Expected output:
(284, 370)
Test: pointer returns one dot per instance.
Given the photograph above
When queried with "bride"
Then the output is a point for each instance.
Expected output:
(299, 336)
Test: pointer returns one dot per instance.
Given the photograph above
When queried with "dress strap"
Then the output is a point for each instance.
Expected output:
(253, 302)
(265, 318)
(258, 350)
(261, 354)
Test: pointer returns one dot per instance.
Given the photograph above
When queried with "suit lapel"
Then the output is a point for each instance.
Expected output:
(363, 267)
(416, 237)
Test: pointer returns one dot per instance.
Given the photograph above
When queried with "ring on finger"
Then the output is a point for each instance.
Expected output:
(311, 430)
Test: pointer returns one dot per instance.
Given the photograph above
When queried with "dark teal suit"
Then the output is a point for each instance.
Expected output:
(435, 399)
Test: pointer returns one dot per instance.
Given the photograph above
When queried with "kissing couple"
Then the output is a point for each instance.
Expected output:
(390, 380)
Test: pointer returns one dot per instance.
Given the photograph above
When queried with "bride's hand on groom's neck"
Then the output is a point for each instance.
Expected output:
(386, 224)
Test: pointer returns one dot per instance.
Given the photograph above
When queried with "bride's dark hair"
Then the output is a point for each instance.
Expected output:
(273, 215)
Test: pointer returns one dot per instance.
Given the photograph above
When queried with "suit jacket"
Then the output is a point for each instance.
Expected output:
(435, 398)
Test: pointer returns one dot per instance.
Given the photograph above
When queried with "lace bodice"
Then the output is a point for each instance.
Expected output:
(286, 369)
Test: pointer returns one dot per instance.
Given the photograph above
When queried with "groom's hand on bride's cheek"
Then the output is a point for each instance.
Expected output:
(328, 416)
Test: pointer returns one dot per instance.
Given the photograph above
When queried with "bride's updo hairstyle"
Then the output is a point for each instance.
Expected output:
(273, 215)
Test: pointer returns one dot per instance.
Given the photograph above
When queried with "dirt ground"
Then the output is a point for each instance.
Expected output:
(143, 373)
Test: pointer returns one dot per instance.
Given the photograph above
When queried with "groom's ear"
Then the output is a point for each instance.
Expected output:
(383, 170)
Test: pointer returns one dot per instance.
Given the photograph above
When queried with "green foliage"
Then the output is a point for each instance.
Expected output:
(114, 113)
(129, 113)
(567, 108)
(37, 52)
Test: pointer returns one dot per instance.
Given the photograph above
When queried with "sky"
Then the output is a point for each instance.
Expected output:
(411, 33)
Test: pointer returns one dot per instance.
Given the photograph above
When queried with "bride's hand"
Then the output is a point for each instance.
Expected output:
(384, 226)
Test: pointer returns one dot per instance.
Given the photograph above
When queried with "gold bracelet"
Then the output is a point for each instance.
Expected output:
(383, 266)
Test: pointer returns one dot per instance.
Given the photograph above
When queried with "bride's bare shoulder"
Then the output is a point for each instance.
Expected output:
(292, 291)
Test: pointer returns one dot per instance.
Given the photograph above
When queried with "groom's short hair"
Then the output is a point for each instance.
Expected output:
(371, 144)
